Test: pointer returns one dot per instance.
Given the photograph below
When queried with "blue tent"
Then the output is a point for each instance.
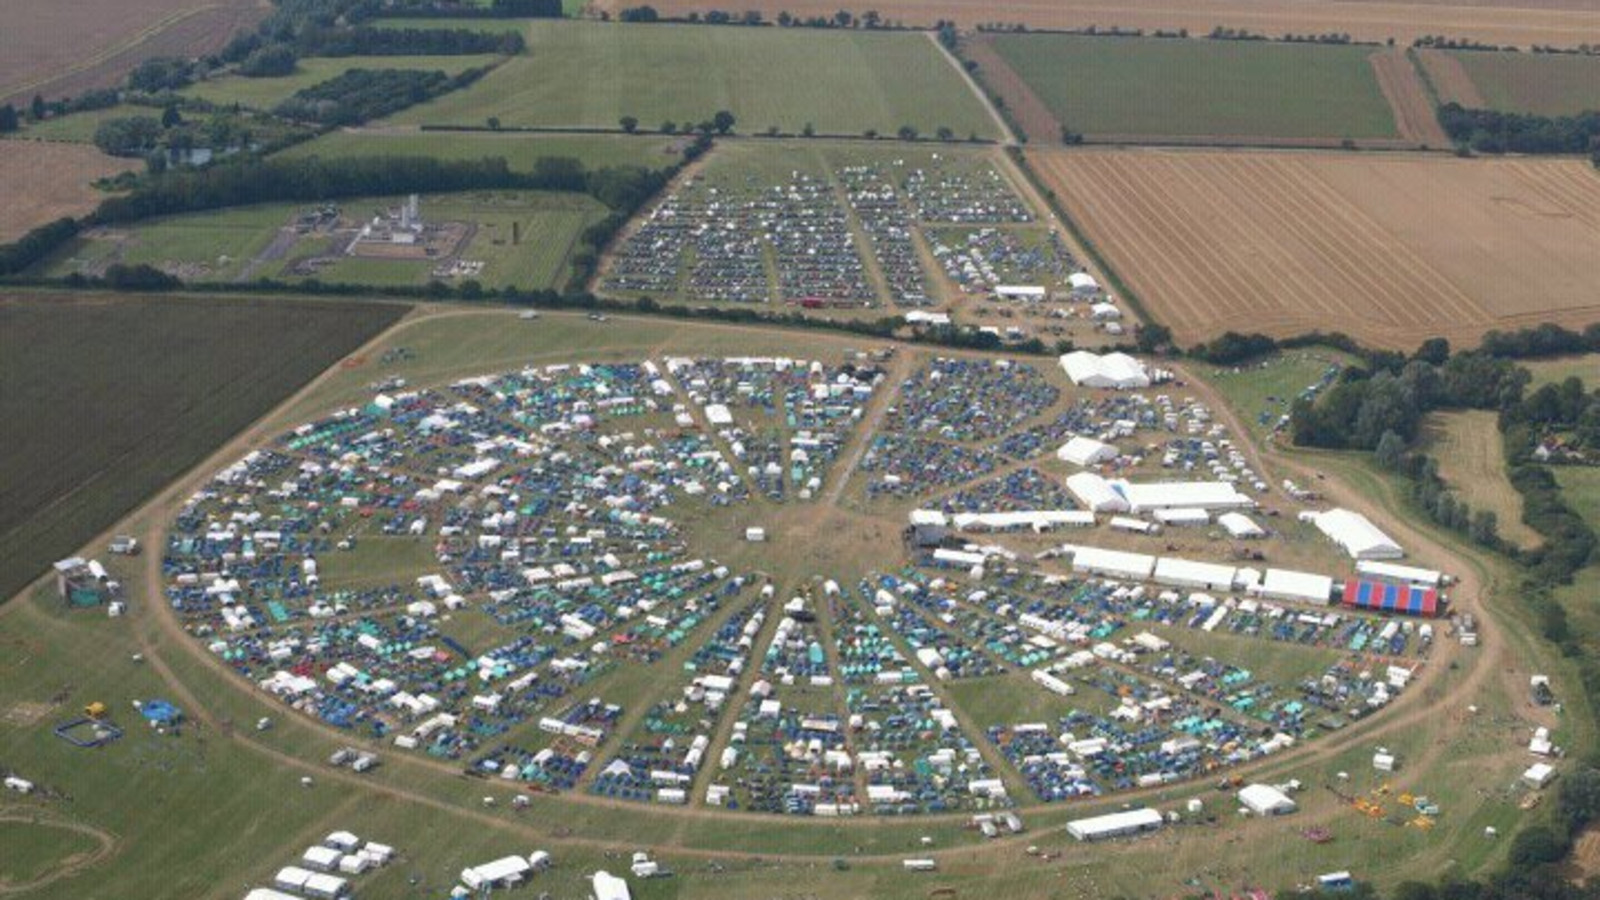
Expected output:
(160, 712)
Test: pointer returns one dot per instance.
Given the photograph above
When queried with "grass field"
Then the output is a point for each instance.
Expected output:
(43, 182)
(187, 375)
(1199, 88)
(230, 244)
(588, 74)
(1263, 392)
(1546, 84)
(1283, 243)
(1552, 371)
(520, 150)
(1472, 462)
(76, 128)
(265, 93)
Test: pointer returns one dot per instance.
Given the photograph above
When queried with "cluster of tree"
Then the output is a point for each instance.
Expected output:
(1541, 341)
(9, 120)
(139, 277)
(34, 246)
(1392, 394)
(162, 73)
(1490, 131)
(1580, 50)
(361, 94)
(1331, 37)
(129, 136)
(1442, 42)
(269, 61)
(367, 41)
(639, 14)
(1232, 348)
(870, 19)
(1430, 494)
(315, 179)
(1223, 33)
(41, 109)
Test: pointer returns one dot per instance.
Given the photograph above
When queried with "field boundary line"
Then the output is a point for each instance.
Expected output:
(1007, 137)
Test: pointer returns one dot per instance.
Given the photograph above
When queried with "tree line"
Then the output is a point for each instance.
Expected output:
(358, 95)
(1494, 132)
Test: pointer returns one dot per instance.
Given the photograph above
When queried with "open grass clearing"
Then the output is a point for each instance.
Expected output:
(590, 75)
(1284, 243)
(1132, 87)
(1555, 371)
(188, 374)
(1472, 461)
(520, 150)
(1263, 392)
(266, 93)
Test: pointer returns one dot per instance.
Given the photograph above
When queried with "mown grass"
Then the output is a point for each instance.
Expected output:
(1472, 461)
(520, 150)
(1236, 89)
(107, 399)
(590, 75)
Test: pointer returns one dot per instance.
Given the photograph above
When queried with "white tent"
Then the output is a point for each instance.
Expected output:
(1083, 284)
(1149, 495)
(1095, 493)
(1303, 587)
(1190, 574)
(1356, 534)
(609, 887)
(1265, 800)
(1085, 451)
(1114, 824)
(1393, 572)
(1240, 525)
(1113, 370)
(1113, 563)
(1104, 312)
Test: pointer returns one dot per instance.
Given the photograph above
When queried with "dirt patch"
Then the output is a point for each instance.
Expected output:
(1024, 108)
(1402, 87)
(1451, 80)
(1518, 22)
(1386, 248)
(25, 713)
(43, 182)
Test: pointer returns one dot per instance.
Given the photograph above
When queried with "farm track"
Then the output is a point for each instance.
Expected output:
(1413, 110)
(1032, 116)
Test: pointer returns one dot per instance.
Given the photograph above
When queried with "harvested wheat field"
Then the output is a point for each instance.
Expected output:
(1517, 22)
(60, 49)
(1390, 249)
(44, 181)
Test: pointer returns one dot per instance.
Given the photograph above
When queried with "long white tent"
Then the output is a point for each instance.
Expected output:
(1114, 824)
(1151, 495)
(1356, 534)
(1095, 493)
(1117, 371)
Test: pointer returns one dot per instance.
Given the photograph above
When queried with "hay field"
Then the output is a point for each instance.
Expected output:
(1546, 84)
(60, 49)
(1147, 87)
(1518, 22)
(1472, 461)
(590, 75)
(43, 182)
(1390, 249)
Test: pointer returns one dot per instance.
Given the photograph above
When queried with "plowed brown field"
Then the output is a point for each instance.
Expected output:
(1519, 22)
(61, 49)
(1390, 249)
(43, 182)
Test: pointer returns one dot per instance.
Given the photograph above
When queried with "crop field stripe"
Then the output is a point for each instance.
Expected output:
(1426, 280)
(1344, 249)
(1556, 184)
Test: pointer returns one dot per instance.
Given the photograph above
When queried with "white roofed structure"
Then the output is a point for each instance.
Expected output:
(1085, 451)
(1113, 563)
(1190, 574)
(1095, 493)
(1266, 800)
(1114, 824)
(1356, 534)
(1239, 525)
(1301, 587)
(1394, 572)
(1151, 495)
(1117, 371)
(609, 887)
